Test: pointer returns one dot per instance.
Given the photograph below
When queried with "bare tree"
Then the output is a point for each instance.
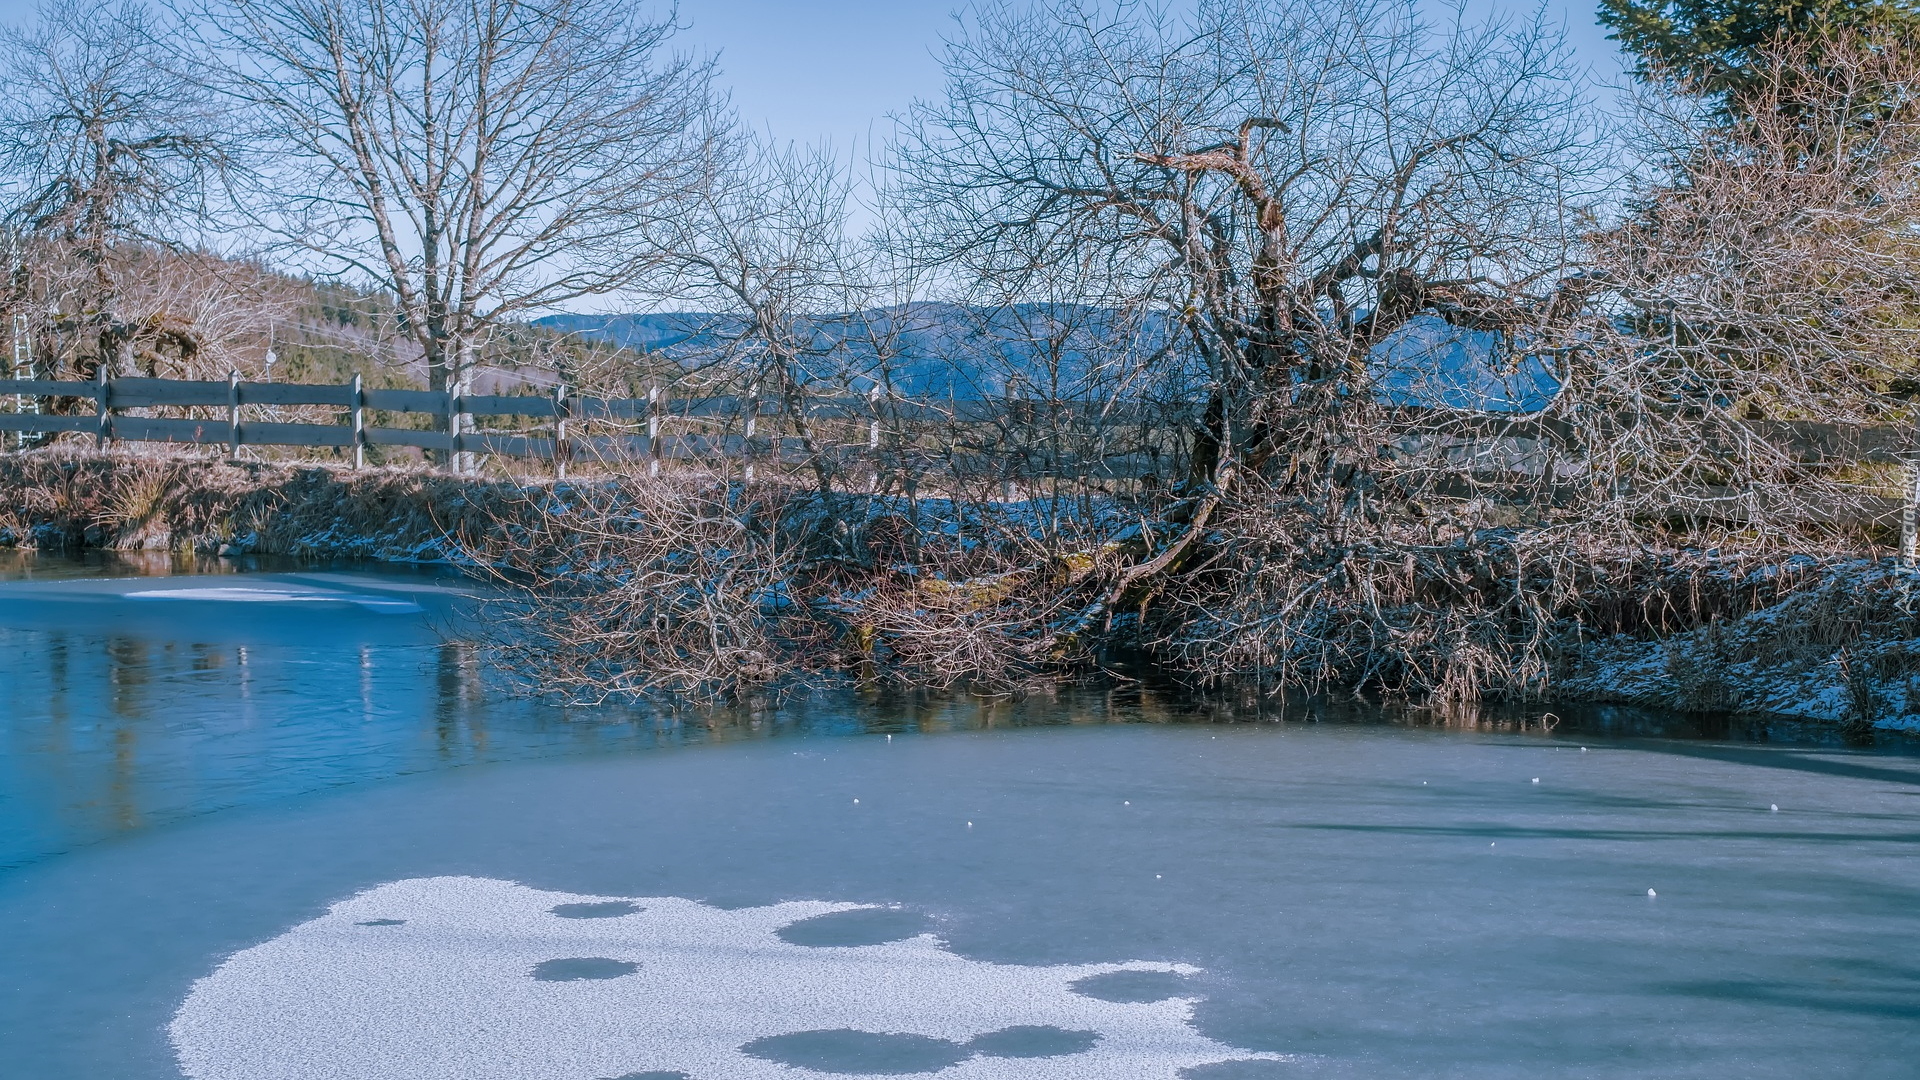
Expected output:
(1291, 183)
(104, 155)
(766, 250)
(1298, 189)
(482, 160)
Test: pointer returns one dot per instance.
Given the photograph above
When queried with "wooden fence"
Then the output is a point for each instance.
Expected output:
(584, 427)
(638, 423)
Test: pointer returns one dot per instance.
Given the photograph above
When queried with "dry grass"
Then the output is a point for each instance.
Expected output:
(1293, 599)
(1831, 640)
(67, 498)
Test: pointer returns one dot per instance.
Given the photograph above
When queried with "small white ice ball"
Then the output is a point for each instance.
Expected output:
(1773, 808)
(1650, 892)
(1536, 779)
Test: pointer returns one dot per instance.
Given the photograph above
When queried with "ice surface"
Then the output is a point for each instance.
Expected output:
(255, 594)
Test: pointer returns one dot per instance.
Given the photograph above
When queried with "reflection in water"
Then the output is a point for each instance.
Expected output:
(458, 725)
(56, 694)
(127, 675)
(122, 714)
(366, 683)
(24, 565)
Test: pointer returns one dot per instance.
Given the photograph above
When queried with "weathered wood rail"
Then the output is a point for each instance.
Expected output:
(454, 432)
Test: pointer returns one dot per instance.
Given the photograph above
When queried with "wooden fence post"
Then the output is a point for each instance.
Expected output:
(102, 404)
(23, 368)
(561, 450)
(457, 421)
(873, 439)
(1910, 516)
(653, 431)
(752, 428)
(233, 413)
(359, 422)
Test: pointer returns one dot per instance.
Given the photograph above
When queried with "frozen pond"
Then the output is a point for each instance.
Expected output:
(264, 825)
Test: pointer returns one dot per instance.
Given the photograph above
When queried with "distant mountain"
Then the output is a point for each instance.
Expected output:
(645, 333)
(922, 350)
(1431, 362)
(948, 351)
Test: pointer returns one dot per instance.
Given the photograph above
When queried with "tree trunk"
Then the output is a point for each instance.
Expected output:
(440, 356)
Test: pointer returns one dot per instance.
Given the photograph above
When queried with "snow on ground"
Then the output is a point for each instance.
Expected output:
(1839, 650)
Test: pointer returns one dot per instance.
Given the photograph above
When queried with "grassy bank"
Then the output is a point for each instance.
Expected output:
(1839, 643)
(66, 499)
(691, 586)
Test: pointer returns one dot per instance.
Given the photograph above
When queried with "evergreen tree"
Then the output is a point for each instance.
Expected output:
(1714, 47)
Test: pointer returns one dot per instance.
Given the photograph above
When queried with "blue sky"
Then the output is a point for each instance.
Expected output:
(833, 69)
(814, 70)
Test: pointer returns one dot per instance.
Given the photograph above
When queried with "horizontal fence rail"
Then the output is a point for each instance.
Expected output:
(454, 433)
(1491, 442)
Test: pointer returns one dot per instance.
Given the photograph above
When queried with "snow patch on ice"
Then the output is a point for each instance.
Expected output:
(440, 979)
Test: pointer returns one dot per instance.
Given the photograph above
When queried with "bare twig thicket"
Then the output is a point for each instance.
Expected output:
(1298, 187)
(1312, 219)
(646, 587)
(1761, 286)
(1770, 280)
(699, 586)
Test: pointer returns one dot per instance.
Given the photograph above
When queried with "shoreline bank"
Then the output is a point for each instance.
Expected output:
(1821, 639)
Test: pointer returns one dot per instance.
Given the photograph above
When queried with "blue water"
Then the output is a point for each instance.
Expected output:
(186, 776)
(143, 690)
